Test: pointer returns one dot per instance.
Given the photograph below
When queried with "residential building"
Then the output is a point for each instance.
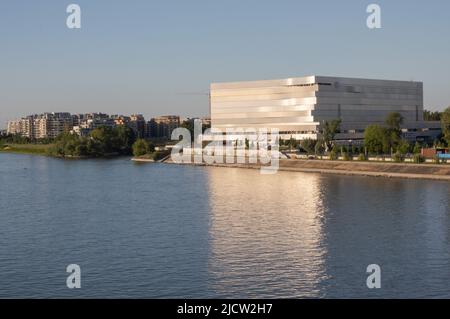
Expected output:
(50, 125)
(138, 125)
(92, 121)
(22, 127)
(121, 119)
(162, 126)
(47, 125)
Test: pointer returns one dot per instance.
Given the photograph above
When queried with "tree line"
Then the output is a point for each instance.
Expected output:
(102, 141)
(378, 139)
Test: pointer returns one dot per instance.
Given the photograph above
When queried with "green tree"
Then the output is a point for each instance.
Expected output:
(445, 122)
(329, 131)
(140, 147)
(334, 153)
(292, 143)
(417, 148)
(151, 147)
(82, 149)
(309, 145)
(403, 147)
(394, 121)
(431, 116)
(65, 145)
(123, 139)
(100, 142)
(374, 139)
(103, 137)
(393, 131)
(418, 158)
(319, 148)
(398, 157)
(190, 125)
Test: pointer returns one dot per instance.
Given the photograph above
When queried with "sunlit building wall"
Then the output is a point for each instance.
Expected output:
(298, 107)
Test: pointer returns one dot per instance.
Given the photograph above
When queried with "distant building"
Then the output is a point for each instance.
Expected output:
(121, 119)
(22, 127)
(47, 125)
(138, 125)
(206, 121)
(50, 125)
(77, 119)
(431, 153)
(96, 116)
(92, 121)
(298, 107)
(162, 126)
(53, 124)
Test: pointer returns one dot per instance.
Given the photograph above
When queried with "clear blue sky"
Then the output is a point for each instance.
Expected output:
(144, 56)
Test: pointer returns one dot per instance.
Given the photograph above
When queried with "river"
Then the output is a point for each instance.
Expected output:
(170, 231)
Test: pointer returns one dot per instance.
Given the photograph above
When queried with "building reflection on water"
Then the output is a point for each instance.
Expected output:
(294, 235)
(266, 231)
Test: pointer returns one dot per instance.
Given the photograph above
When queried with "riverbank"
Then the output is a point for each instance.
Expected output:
(45, 150)
(152, 157)
(375, 169)
(33, 149)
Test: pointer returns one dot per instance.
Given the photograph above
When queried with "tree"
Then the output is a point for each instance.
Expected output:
(151, 147)
(417, 148)
(319, 148)
(393, 133)
(308, 145)
(104, 137)
(374, 138)
(190, 125)
(140, 147)
(394, 121)
(65, 145)
(123, 139)
(329, 131)
(82, 149)
(431, 116)
(292, 143)
(445, 122)
(403, 147)
(334, 153)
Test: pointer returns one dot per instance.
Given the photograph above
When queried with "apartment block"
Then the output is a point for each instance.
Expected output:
(47, 125)
(162, 126)
(138, 125)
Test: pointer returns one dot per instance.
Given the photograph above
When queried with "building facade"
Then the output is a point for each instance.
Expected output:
(23, 127)
(50, 125)
(162, 126)
(298, 107)
(86, 123)
(47, 125)
(138, 125)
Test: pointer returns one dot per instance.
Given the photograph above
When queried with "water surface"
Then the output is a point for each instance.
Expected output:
(168, 231)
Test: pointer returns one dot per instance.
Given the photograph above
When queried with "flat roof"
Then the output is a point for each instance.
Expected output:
(309, 80)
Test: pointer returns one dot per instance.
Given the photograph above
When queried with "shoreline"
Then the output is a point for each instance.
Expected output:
(439, 172)
(45, 154)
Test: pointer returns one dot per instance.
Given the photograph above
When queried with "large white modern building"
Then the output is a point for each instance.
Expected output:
(298, 107)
